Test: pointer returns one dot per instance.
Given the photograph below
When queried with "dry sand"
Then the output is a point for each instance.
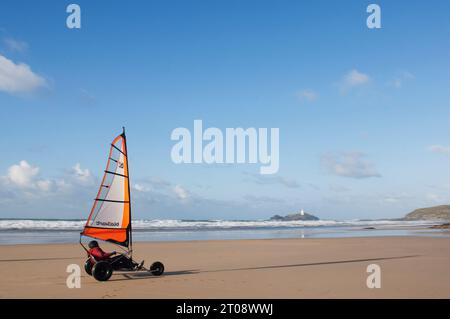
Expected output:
(411, 267)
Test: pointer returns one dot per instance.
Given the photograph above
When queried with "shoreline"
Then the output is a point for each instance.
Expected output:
(412, 267)
(221, 240)
(33, 236)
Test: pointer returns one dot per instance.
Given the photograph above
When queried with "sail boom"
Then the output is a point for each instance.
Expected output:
(107, 228)
(111, 200)
(108, 172)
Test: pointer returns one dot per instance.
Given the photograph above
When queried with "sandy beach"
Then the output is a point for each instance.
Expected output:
(411, 267)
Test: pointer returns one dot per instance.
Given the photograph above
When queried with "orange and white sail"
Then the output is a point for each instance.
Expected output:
(110, 217)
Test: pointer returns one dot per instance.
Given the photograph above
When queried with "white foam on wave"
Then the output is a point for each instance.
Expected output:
(32, 224)
(173, 224)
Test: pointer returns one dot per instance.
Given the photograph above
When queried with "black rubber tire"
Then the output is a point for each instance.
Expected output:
(102, 271)
(157, 268)
(88, 267)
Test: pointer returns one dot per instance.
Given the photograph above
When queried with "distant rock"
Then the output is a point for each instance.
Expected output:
(430, 213)
(297, 216)
(443, 226)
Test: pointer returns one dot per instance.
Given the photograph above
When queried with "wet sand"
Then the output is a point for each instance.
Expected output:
(411, 267)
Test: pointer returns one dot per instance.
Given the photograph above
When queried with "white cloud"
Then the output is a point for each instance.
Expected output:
(266, 180)
(18, 78)
(400, 79)
(396, 198)
(15, 45)
(307, 94)
(434, 198)
(141, 188)
(152, 184)
(44, 185)
(440, 149)
(156, 187)
(82, 175)
(391, 200)
(24, 176)
(353, 79)
(180, 192)
(25, 192)
(349, 164)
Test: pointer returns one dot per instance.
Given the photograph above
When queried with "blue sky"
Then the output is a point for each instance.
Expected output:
(363, 114)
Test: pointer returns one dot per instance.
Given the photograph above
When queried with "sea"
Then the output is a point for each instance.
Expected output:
(42, 231)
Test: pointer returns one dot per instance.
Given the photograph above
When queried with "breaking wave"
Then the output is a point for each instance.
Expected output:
(174, 224)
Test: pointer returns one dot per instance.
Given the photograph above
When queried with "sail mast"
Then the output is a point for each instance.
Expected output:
(129, 194)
